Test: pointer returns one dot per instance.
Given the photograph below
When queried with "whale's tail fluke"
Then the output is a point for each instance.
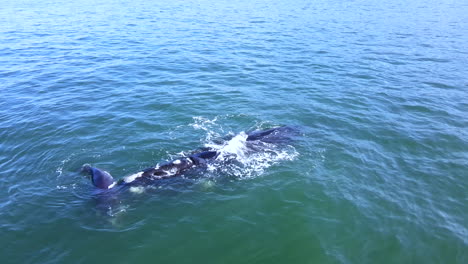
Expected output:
(100, 178)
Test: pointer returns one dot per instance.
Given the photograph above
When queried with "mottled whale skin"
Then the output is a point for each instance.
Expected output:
(103, 180)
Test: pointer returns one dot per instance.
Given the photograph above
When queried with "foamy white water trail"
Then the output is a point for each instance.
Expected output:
(239, 157)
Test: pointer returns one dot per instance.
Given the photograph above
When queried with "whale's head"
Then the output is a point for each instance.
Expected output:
(100, 178)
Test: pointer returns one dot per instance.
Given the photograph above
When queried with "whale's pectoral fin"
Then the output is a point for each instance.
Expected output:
(100, 178)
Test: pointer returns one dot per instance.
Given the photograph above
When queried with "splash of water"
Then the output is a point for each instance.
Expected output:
(241, 158)
(234, 148)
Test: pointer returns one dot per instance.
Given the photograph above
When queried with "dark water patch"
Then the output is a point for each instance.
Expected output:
(439, 85)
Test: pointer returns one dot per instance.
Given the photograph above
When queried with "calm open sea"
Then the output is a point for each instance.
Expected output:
(378, 90)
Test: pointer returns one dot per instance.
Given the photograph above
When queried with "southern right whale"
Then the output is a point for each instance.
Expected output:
(104, 180)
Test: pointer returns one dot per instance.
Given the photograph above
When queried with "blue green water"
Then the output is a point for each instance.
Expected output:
(378, 90)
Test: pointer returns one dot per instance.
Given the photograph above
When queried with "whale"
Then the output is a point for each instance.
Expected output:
(102, 179)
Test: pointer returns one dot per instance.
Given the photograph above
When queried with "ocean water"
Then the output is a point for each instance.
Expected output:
(377, 89)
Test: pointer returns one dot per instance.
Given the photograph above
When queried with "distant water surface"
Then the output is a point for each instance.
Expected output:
(378, 90)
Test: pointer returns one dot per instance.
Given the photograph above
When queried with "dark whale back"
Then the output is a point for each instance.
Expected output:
(280, 134)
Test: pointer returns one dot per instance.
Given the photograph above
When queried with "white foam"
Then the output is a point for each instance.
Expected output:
(234, 147)
(207, 185)
(239, 157)
(207, 125)
(249, 163)
(137, 189)
(59, 169)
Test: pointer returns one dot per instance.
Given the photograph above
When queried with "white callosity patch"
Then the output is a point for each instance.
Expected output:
(132, 177)
(172, 171)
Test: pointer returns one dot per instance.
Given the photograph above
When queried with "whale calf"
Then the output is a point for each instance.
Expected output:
(104, 180)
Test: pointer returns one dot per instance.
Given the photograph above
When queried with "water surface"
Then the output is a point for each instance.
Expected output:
(378, 90)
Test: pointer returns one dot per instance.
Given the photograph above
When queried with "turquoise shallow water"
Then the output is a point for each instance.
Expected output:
(378, 90)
